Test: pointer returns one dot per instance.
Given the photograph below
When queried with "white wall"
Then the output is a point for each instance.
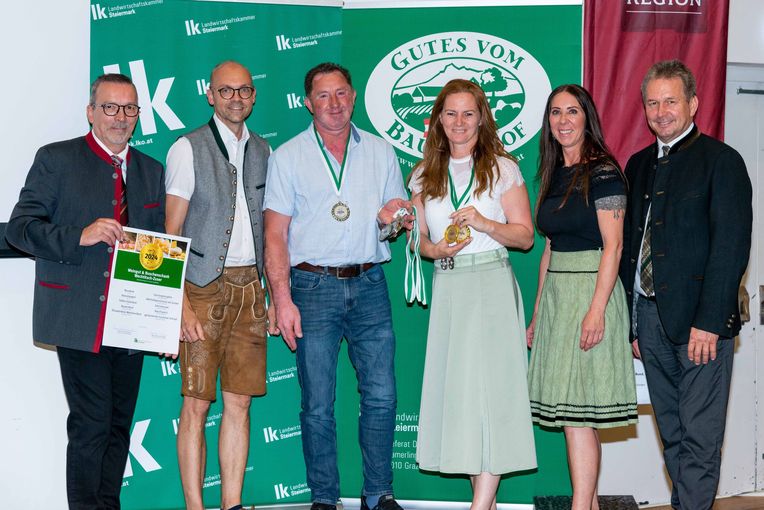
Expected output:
(746, 32)
(44, 89)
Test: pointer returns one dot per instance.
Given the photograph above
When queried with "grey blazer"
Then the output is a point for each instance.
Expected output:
(70, 185)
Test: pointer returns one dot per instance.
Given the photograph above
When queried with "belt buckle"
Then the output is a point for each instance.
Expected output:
(338, 272)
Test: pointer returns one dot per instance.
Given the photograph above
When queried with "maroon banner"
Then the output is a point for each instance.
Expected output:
(623, 38)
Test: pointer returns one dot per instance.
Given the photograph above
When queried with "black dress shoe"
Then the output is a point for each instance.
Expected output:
(386, 502)
(322, 506)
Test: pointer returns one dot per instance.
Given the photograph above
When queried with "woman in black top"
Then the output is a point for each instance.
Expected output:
(581, 374)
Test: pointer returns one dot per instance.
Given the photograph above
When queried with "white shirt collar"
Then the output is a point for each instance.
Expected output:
(122, 155)
(671, 142)
(355, 136)
(227, 135)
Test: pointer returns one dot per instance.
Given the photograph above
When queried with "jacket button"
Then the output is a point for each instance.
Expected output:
(233, 182)
(225, 245)
(639, 229)
(233, 195)
(228, 231)
(114, 175)
(114, 202)
(101, 298)
(221, 257)
(231, 218)
(632, 260)
(218, 269)
(110, 250)
(233, 206)
(646, 196)
(233, 171)
(659, 222)
(105, 274)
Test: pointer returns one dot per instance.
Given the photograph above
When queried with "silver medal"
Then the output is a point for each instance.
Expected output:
(340, 211)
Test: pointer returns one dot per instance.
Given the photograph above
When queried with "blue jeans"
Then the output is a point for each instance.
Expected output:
(357, 309)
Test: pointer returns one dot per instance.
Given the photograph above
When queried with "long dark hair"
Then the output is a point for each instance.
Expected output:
(593, 150)
(488, 147)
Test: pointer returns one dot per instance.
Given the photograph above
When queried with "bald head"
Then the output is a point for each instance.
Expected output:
(231, 94)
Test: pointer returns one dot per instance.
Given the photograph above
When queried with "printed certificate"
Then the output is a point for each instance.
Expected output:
(145, 300)
(643, 396)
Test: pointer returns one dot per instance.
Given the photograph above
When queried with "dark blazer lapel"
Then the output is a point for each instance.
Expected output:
(685, 142)
(644, 186)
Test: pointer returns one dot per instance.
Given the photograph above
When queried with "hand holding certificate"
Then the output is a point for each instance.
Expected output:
(145, 298)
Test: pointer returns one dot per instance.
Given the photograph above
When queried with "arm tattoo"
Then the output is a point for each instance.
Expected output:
(616, 203)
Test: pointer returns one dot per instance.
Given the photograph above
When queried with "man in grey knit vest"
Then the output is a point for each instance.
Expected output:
(215, 181)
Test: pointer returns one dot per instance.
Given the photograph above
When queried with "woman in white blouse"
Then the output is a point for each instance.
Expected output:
(472, 205)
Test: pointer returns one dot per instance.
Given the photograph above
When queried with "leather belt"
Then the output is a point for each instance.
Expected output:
(339, 272)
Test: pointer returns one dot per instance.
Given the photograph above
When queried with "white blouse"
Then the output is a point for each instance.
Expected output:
(488, 204)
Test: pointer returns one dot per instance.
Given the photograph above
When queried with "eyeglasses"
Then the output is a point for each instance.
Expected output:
(112, 109)
(245, 92)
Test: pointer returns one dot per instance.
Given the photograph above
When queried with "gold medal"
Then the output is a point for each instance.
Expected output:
(340, 211)
(151, 256)
(451, 234)
(456, 234)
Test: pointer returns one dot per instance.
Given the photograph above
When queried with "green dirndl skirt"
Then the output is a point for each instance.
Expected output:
(568, 386)
(474, 415)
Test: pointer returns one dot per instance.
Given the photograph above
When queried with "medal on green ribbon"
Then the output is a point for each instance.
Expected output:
(340, 211)
(454, 233)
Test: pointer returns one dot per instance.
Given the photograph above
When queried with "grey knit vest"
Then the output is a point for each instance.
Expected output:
(209, 220)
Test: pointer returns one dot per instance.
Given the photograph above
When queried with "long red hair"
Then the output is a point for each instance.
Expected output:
(434, 178)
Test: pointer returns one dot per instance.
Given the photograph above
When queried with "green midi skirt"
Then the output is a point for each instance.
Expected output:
(570, 387)
(475, 415)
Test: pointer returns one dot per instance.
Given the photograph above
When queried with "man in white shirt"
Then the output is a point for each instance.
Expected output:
(216, 180)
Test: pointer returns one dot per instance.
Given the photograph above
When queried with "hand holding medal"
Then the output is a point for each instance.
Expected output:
(468, 218)
(394, 216)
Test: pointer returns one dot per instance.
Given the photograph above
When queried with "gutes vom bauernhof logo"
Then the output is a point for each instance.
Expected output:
(402, 88)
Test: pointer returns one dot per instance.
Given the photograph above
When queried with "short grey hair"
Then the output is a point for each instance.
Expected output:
(108, 78)
(668, 69)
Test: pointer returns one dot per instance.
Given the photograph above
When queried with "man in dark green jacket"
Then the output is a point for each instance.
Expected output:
(687, 237)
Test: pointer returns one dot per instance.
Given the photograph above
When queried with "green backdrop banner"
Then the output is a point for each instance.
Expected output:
(399, 59)
(168, 47)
